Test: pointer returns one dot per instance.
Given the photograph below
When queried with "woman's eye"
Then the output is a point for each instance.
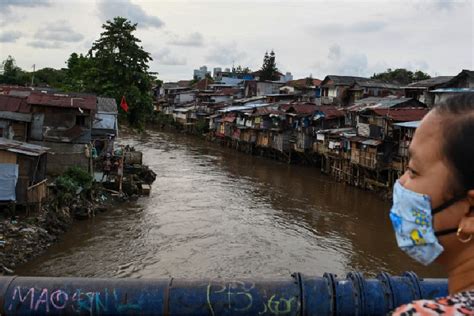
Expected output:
(411, 172)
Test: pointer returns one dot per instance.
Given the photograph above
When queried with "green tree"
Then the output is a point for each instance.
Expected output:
(242, 70)
(11, 73)
(269, 70)
(401, 76)
(50, 77)
(420, 75)
(78, 73)
(119, 67)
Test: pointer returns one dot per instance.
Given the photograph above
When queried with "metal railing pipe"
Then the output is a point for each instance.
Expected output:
(296, 295)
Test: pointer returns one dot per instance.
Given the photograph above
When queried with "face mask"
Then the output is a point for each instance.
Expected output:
(412, 220)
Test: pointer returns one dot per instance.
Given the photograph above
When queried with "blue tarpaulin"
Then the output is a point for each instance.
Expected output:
(8, 180)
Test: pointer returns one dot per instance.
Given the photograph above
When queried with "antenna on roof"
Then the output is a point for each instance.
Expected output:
(33, 76)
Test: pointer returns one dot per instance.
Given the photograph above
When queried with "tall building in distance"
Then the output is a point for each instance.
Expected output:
(201, 73)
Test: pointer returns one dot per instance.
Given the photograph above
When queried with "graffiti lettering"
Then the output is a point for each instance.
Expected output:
(78, 301)
(43, 298)
(57, 297)
(31, 293)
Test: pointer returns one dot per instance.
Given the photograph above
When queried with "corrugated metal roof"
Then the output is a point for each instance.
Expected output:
(377, 84)
(403, 114)
(330, 112)
(428, 83)
(300, 108)
(14, 104)
(22, 148)
(454, 90)
(382, 103)
(18, 93)
(341, 80)
(242, 107)
(65, 101)
(412, 124)
(106, 105)
(372, 142)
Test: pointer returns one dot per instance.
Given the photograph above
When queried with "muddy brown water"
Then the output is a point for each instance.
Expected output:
(214, 212)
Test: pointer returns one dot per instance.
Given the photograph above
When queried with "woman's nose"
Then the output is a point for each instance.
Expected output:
(403, 178)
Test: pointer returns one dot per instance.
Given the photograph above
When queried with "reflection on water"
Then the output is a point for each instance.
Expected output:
(215, 212)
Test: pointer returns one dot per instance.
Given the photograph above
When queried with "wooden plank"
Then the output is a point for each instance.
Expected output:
(7, 157)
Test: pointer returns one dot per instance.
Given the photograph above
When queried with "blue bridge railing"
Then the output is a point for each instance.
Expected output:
(296, 295)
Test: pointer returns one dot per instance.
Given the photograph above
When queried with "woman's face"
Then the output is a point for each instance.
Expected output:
(429, 173)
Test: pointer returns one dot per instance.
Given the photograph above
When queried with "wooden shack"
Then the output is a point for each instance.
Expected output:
(364, 152)
(280, 141)
(23, 172)
(264, 139)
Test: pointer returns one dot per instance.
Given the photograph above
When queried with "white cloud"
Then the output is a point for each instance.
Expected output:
(6, 6)
(108, 9)
(194, 39)
(356, 27)
(58, 31)
(166, 57)
(9, 36)
(46, 44)
(225, 54)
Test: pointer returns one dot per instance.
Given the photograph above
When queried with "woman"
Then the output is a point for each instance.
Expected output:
(433, 204)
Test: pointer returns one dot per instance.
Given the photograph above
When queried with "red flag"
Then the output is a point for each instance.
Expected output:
(123, 104)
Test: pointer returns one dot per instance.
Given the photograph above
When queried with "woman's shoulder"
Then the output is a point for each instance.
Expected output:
(458, 304)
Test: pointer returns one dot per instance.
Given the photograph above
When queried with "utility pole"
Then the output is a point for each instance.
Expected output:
(33, 76)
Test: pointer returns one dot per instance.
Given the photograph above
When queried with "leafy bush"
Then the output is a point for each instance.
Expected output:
(80, 176)
(70, 182)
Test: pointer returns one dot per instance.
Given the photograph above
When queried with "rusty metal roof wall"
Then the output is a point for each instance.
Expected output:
(300, 108)
(403, 114)
(64, 101)
(330, 112)
(21, 147)
(14, 104)
(341, 80)
(428, 83)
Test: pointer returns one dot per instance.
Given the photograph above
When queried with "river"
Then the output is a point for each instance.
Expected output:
(215, 212)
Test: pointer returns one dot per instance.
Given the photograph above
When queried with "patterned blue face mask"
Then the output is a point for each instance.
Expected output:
(412, 220)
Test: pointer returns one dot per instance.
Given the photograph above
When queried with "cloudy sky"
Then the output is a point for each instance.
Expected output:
(316, 37)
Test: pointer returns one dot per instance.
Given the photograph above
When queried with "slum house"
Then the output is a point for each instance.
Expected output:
(63, 124)
(393, 102)
(22, 173)
(462, 83)
(372, 88)
(300, 118)
(403, 135)
(306, 89)
(420, 90)
(334, 89)
(370, 123)
(105, 124)
(323, 117)
(375, 146)
(15, 118)
(332, 148)
(273, 132)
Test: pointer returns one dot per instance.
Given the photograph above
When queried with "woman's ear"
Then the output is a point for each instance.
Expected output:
(467, 222)
(470, 198)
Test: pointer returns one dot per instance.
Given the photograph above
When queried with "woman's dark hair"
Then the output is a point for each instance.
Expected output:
(458, 143)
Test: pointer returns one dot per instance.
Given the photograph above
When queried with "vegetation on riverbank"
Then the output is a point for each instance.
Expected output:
(26, 235)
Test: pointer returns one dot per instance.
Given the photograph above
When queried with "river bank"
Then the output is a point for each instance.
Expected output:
(26, 236)
(326, 165)
(26, 231)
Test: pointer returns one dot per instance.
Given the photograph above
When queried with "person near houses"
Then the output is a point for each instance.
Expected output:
(433, 204)
(107, 166)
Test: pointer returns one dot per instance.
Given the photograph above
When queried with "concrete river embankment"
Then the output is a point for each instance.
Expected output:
(214, 212)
